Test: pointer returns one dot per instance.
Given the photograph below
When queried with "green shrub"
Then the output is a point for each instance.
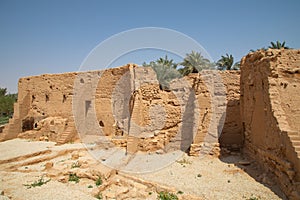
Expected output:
(39, 183)
(166, 196)
(74, 178)
(4, 120)
(253, 198)
(184, 162)
(98, 182)
(179, 192)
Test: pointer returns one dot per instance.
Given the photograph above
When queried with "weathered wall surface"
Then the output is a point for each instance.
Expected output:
(127, 108)
(40, 97)
(257, 110)
(270, 103)
(189, 113)
(232, 133)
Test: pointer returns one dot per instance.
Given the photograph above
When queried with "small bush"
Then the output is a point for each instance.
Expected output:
(90, 186)
(98, 182)
(179, 192)
(39, 183)
(74, 178)
(184, 161)
(4, 120)
(253, 198)
(166, 196)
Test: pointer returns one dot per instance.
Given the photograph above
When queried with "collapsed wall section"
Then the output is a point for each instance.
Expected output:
(270, 114)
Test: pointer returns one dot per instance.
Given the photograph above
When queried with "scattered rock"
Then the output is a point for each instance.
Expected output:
(48, 165)
(4, 197)
(62, 179)
(244, 162)
(75, 155)
(110, 195)
(160, 151)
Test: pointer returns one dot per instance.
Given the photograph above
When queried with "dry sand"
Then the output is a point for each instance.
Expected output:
(23, 162)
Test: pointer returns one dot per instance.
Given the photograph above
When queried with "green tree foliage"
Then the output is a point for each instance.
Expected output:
(6, 102)
(166, 62)
(165, 70)
(274, 45)
(236, 66)
(278, 45)
(3, 92)
(226, 63)
(194, 62)
(261, 49)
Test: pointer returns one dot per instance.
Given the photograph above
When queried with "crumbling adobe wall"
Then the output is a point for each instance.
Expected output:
(118, 103)
(219, 125)
(41, 97)
(270, 113)
(232, 134)
(168, 119)
(135, 113)
(92, 102)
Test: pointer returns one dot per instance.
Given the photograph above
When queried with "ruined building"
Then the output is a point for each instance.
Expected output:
(255, 111)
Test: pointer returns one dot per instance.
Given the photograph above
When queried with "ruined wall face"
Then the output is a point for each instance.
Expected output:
(191, 111)
(134, 112)
(50, 95)
(126, 107)
(232, 133)
(104, 100)
(40, 97)
(270, 114)
(215, 91)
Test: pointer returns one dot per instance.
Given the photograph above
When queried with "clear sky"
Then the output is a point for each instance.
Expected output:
(54, 36)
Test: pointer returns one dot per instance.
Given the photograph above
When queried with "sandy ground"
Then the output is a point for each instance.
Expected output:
(25, 162)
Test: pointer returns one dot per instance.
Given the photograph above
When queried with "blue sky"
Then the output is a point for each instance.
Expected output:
(55, 36)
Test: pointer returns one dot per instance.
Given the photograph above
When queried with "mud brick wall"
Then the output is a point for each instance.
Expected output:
(270, 113)
(118, 102)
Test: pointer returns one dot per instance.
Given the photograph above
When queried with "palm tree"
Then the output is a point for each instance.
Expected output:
(165, 61)
(165, 75)
(225, 62)
(261, 49)
(278, 45)
(193, 63)
(165, 70)
(237, 66)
